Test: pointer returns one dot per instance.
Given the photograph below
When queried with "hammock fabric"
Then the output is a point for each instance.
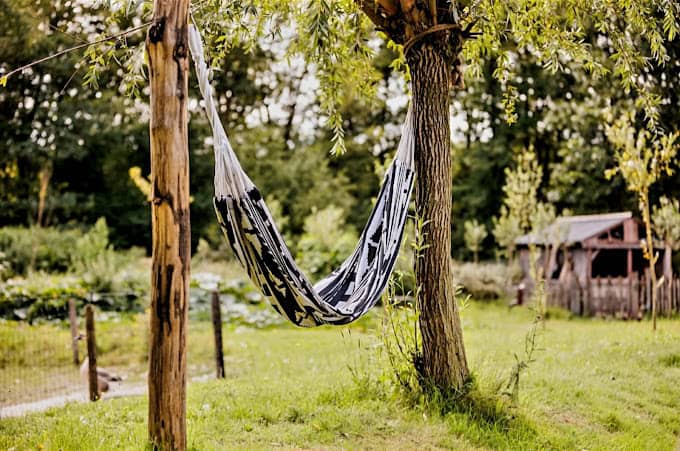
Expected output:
(349, 291)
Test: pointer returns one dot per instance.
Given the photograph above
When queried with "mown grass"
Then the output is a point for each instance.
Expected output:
(595, 385)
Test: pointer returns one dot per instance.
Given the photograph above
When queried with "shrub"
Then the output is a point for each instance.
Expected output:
(325, 243)
(36, 248)
(102, 268)
(46, 296)
(484, 280)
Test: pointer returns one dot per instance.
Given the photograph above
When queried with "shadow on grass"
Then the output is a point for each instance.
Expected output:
(486, 418)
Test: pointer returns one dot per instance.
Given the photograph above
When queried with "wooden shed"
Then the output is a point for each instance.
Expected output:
(594, 265)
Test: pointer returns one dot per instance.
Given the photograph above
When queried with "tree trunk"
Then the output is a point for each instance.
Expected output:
(44, 177)
(444, 361)
(649, 251)
(167, 47)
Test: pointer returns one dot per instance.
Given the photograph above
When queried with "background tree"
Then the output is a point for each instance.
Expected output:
(475, 234)
(335, 37)
(506, 230)
(523, 212)
(642, 159)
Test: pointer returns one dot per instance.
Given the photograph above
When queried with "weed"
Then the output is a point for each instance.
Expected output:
(671, 360)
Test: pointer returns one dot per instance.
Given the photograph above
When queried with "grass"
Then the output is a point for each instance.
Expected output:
(595, 385)
(36, 361)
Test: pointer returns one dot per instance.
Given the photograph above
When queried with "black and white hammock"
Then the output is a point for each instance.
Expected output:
(349, 291)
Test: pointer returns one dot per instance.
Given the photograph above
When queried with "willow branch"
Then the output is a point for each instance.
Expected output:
(3, 78)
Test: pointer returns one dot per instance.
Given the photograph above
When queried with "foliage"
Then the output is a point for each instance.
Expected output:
(642, 159)
(102, 268)
(555, 34)
(100, 133)
(475, 234)
(522, 363)
(666, 218)
(401, 342)
(506, 229)
(43, 296)
(521, 189)
(523, 207)
(37, 249)
(485, 281)
(56, 251)
(324, 245)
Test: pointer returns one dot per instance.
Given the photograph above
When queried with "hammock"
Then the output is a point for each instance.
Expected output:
(349, 291)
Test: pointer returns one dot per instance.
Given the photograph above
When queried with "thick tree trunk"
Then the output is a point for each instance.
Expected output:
(444, 361)
(167, 47)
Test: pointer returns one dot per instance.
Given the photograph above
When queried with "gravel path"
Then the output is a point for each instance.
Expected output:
(115, 391)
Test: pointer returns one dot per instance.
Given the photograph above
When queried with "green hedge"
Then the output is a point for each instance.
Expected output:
(35, 248)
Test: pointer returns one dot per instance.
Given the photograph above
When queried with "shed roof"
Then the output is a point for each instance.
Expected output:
(575, 229)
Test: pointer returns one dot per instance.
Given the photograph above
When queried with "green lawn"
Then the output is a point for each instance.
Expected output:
(595, 385)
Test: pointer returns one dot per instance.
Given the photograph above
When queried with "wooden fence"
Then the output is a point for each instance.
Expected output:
(621, 297)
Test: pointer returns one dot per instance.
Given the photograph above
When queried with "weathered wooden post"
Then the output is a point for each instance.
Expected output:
(588, 292)
(217, 330)
(73, 321)
(91, 353)
(167, 50)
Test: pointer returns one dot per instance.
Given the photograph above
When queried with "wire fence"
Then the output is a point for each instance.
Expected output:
(46, 363)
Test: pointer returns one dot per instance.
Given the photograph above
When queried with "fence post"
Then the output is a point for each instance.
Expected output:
(73, 320)
(91, 353)
(217, 329)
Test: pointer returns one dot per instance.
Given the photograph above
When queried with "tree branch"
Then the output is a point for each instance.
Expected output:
(5, 77)
(372, 10)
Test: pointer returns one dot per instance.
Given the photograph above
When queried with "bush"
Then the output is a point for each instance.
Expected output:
(36, 248)
(325, 243)
(46, 296)
(93, 267)
(484, 280)
(102, 268)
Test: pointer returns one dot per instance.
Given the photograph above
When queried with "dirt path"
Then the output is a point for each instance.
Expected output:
(115, 391)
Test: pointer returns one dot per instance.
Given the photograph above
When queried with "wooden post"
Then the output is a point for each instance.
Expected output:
(589, 274)
(167, 50)
(73, 320)
(91, 353)
(217, 329)
(648, 290)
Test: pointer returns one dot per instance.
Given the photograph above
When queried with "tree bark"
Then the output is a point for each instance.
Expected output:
(93, 382)
(444, 360)
(651, 257)
(44, 177)
(167, 48)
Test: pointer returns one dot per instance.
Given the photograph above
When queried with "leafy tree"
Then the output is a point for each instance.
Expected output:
(642, 159)
(437, 36)
(475, 234)
(522, 212)
(506, 230)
